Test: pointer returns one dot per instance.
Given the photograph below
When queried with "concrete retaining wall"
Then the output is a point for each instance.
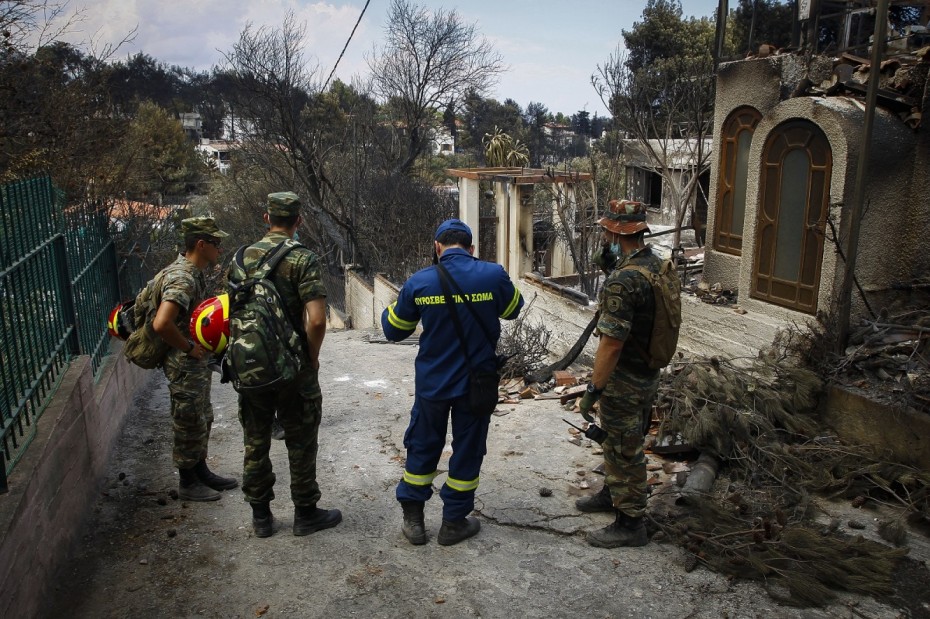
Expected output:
(565, 318)
(365, 302)
(385, 293)
(902, 433)
(53, 486)
(707, 330)
(359, 301)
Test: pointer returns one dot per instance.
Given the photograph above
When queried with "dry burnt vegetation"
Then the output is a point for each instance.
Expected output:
(762, 518)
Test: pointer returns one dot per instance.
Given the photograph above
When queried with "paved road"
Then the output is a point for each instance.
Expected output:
(147, 555)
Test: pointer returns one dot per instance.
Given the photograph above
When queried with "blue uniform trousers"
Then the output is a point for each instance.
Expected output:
(424, 440)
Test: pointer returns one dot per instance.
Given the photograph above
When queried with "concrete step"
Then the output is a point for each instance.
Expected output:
(720, 330)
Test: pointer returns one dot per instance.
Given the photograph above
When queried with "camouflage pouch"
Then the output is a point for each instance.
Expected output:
(144, 347)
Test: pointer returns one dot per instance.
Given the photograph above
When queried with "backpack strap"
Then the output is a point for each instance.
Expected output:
(648, 276)
(264, 269)
(269, 261)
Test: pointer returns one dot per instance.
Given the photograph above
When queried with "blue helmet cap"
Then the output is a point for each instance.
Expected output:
(453, 224)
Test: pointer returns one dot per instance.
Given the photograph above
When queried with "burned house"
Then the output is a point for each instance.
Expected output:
(788, 140)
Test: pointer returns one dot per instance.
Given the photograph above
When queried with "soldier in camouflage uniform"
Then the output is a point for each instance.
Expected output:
(622, 381)
(182, 289)
(299, 405)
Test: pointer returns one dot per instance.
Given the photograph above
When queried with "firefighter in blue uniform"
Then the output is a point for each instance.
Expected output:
(442, 379)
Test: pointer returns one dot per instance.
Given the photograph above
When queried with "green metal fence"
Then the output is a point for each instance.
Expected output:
(58, 280)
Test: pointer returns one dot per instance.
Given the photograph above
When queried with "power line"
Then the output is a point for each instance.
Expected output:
(364, 8)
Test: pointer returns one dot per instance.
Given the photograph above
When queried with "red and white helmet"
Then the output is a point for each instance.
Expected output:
(210, 323)
(119, 322)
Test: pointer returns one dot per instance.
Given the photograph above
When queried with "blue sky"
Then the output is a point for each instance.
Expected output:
(551, 48)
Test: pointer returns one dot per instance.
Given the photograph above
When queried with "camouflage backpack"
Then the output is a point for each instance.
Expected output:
(144, 347)
(264, 348)
(666, 288)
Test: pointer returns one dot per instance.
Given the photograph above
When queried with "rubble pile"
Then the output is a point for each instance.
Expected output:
(758, 520)
(889, 357)
(902, 80)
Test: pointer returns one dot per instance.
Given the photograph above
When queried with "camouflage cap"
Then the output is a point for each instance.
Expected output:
(624, 217)
(202, 226)
(283, 204)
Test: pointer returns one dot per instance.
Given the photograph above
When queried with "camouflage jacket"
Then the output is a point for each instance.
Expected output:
(184, 284)
(298, 277)
(627, 307)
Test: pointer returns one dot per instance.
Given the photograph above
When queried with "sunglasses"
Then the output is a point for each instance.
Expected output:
(211, 241)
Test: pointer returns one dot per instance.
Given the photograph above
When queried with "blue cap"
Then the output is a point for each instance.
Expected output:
(453, 224)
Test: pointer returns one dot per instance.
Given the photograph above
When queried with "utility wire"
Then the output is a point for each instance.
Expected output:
(364, 8)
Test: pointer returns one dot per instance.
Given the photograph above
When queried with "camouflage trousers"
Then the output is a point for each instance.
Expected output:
(191, 410)
(625, 410)
(300, 407)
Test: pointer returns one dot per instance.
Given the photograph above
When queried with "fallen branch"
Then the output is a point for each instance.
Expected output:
(544, 374)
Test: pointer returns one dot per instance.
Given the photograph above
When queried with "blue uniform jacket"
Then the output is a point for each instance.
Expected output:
(441, 368)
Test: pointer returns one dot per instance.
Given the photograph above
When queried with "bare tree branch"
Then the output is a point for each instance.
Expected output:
(429, 59)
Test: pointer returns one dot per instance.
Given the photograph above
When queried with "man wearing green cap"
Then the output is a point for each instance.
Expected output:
(299, 404)
(181, 289)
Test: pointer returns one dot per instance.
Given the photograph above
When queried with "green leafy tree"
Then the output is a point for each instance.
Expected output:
(502, 151)
(754, 22)
(54, 119)
(660, 93)
(535, 119)
(449, 121)
(581, 123)
(486, 116)
(161, 160)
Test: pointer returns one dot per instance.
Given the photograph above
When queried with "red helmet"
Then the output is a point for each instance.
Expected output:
(119, 323)
(210, 323)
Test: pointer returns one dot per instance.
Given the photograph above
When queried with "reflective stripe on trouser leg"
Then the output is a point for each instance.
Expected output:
(419, 480)
(623, 408)
(469, 445)
(424, 439)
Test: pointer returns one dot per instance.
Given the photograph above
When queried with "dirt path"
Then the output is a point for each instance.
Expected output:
(148, 555)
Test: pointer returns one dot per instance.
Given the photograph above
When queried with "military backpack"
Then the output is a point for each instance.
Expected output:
(264, 347)
(144, 347)
(666, 288)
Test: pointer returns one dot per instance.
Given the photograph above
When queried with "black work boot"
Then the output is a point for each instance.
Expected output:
(309, 520)
(600, 502)
(262, 520)
(624, 531)
(211, 479)
(454, 531)
(191, 488)
(414, 528)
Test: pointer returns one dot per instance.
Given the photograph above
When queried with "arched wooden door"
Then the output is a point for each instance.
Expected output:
(795, 194)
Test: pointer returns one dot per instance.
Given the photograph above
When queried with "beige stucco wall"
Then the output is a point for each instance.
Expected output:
(359, 301)
(564, 318)
(893, 217)
(732, 93)
(364, 302)
(385, 293)
(707, 329)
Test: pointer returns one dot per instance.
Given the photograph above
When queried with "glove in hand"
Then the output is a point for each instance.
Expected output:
(586, 404)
